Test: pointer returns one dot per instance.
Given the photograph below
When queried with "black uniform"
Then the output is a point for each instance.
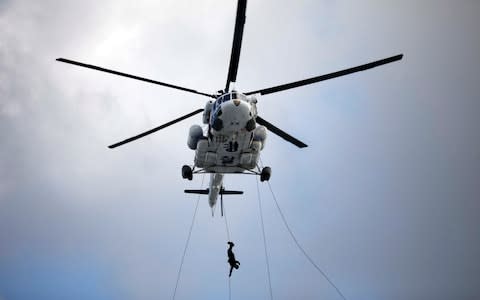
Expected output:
(231, 259)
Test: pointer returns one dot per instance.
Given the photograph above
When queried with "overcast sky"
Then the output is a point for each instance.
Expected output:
(385, 198)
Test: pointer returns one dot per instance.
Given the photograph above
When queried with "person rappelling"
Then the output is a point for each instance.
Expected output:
(231, 258)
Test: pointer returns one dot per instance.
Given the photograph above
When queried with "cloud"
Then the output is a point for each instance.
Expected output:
(384, 198)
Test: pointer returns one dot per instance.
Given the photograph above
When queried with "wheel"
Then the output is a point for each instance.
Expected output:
(266, 173)
(187, 172)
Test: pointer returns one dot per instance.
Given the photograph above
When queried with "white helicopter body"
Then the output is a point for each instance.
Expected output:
(231, 143)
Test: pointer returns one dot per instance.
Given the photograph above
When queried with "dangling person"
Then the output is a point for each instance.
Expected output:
(231, 259)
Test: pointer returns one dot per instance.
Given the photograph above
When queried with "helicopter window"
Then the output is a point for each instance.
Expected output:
(234, 95)
(226, 97)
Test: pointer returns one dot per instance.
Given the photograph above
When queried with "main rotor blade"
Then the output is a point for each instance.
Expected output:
(281, 133)
(327, 76)
(155, 129)
(237, 42)
(68, 61)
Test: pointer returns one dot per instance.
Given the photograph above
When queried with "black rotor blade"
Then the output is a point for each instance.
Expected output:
(68, 61)
(281, 133)
(237, 42)
(155, 129)
(327, 76)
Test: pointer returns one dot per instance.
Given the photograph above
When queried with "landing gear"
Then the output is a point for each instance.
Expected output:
(265, 174)
(187, 172)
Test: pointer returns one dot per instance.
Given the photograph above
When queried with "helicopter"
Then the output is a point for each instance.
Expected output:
(235, 134)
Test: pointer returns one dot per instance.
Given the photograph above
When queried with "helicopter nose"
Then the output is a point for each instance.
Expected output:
(239, 107)
(235, 114)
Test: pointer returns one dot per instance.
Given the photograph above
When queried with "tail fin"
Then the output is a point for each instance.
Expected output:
(225, 192)
(222, 192)
(205, 192)
(201, 192)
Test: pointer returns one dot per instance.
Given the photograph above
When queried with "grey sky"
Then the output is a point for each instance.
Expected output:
(385, 198)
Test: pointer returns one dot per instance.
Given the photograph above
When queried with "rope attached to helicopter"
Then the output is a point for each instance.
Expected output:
(187, 242)
(298, 244)
(227, 229)
(226, 224)
(264, 241)
(228, 239)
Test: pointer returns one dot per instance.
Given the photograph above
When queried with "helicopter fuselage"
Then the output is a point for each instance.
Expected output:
(231, 142)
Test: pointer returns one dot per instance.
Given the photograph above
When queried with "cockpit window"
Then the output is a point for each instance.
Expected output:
(230, 96)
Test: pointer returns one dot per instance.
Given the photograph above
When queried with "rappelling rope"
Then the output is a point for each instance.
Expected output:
(229, 290)
(264, 241)
(298, 244)
(226, 223)
(187, 242)
(228, 239)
